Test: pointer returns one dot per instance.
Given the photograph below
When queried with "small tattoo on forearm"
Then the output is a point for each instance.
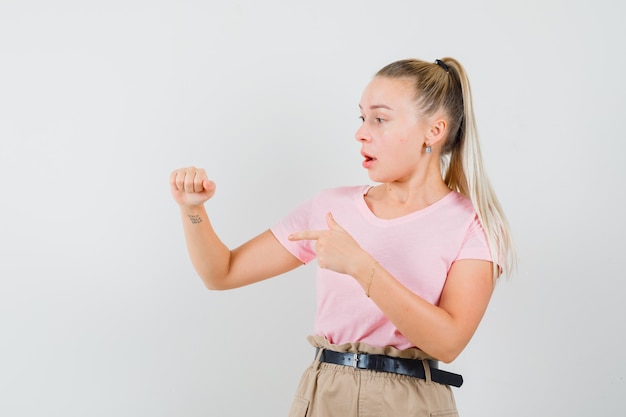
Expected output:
(195, 219)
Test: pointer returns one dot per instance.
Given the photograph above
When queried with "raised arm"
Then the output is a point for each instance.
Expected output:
(219, 267)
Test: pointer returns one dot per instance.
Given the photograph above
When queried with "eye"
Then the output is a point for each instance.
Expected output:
(362, 119)
(379, 120)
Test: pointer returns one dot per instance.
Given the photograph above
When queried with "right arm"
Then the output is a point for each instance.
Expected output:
(219, 267)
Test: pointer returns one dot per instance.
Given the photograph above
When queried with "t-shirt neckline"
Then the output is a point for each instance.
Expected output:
(369, 215)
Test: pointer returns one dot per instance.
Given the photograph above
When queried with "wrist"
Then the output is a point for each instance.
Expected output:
(370, 280)
(194, 214)
(192, 209)
(365, 272)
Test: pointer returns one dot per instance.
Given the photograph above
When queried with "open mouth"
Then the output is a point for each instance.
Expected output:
(367, 157)
(368, 160)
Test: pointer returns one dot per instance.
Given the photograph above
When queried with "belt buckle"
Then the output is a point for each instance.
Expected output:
(355, 361)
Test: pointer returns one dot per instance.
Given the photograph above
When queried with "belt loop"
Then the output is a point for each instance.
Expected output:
(427, 375)
(316, 363)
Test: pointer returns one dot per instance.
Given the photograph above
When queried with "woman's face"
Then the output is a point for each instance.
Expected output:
(392, 134)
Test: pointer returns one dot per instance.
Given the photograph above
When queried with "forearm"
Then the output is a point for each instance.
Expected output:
(427, 326)
(208, 254)
(441, 331)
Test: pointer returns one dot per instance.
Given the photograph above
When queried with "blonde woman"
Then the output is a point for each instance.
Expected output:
(406, 268)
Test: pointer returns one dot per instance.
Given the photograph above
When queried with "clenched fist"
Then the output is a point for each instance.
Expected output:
(190, 186)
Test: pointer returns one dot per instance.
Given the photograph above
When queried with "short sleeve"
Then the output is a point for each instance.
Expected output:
(475, 244)
(296, 221)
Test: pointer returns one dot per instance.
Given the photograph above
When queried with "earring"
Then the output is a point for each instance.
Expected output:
(428, 149)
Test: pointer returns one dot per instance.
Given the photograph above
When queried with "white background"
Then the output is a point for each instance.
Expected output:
(101, 313)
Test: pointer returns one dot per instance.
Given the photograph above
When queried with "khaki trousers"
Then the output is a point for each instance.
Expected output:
(329, 390)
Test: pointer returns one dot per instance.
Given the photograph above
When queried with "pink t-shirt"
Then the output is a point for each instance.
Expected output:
(417, 249)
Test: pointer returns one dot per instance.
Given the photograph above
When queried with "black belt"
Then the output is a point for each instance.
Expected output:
(382, 363)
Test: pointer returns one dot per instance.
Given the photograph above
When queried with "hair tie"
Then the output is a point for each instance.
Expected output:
(442, 65)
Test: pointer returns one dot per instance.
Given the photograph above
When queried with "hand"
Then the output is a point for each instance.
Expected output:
(191, 187)
(336, 249)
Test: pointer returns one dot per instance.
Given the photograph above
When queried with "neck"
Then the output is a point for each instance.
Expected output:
(422, 187)
(421, 194)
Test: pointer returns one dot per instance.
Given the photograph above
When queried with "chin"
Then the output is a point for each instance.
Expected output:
(377, 178)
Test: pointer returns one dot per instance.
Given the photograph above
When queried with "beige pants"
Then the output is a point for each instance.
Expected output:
(329, 390)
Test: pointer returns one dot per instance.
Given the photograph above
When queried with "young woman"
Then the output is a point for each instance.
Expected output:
(406, 267)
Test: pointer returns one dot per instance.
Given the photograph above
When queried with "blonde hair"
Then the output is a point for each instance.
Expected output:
(444, 85)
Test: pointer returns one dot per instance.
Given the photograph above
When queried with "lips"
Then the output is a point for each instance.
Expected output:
(368, 160)
(367, 157)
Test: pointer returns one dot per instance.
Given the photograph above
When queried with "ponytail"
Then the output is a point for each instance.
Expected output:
(444, 85)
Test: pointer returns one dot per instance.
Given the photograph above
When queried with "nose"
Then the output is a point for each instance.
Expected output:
(362, 134)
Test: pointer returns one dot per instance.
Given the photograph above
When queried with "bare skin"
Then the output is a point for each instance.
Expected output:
(393, 138)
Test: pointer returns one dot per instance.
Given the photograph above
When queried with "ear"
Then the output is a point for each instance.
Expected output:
(437, 131)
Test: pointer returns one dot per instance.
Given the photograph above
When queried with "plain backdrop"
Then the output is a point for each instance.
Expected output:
(101, 313)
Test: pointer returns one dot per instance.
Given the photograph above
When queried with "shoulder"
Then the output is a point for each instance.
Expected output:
(462, 202)
(457, 210)
(349, 192)
(331, 198)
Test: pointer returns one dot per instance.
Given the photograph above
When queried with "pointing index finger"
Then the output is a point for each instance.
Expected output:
(305, 235)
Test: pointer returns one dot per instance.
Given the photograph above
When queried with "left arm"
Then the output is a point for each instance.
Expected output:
(442, 331)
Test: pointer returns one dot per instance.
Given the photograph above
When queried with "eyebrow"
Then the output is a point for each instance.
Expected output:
(377, 106)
